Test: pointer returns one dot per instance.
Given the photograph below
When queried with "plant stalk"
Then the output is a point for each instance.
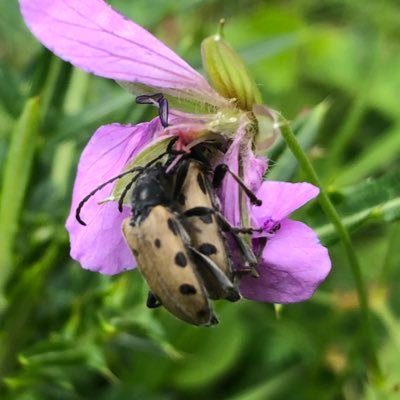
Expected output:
(344, 236)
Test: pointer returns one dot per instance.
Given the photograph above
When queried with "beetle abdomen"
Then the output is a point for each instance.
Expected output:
(204, 231)
(166, 265)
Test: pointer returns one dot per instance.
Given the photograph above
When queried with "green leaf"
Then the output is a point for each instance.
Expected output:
(382, 152)
(371, 200)
(267, 39)
(388, 388)
(24, 296)
(271, 388)
(10, 95)
(287, 165)
(214, 353)
(17, 169)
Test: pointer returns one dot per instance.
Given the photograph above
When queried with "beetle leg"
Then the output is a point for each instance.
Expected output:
(152, 301)
(250, 260)
(213, 321)
(215, 281)
(228, 227)
(249, 268)
(246, 250)
(225, 225)
(248, 254)
(219, 174)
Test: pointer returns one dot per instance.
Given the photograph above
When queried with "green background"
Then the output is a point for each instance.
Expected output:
(333, 68)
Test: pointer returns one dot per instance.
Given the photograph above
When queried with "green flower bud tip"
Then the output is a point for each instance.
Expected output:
(228, 73)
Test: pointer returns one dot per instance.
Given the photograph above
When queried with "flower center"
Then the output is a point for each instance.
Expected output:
(270, 226)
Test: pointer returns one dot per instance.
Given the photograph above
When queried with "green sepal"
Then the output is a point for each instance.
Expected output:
(266, 131)
(228, 73)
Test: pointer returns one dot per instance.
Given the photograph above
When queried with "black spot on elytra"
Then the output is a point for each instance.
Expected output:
(200, 181)
(207, 249)
(207, 218)
(180, 259)
(157, 243)
(182, 199)
(187, 289)
(172, 226)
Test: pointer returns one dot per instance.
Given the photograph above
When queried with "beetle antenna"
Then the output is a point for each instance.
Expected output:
(94, 191)
(125, 191)
(127, 187)
(168, 150)
(219, 174)
(163, 111)
(149, 98)
(156, 99)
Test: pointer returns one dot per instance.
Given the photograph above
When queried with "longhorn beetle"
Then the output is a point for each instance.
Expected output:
(205, 223)
(172, 268)
(209, 271)
(162, 249)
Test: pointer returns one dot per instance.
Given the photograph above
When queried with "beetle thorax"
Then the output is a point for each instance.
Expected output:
(152, 188)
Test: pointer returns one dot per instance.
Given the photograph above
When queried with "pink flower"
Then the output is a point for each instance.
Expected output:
(97, 39)
(292, 263)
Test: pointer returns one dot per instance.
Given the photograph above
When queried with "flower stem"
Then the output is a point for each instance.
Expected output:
(344, 235)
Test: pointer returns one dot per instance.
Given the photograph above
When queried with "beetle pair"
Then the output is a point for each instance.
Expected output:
(175, 234)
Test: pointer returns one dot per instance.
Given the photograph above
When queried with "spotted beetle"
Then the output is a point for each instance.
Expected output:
(180, 249)
(161, 247)
(205, 224)
(172, 267)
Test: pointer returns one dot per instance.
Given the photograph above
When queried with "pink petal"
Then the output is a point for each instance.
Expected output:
(99, 246)
(292, 267)
(99, 40)
(229, 192)
(253, 171)
(280, 199)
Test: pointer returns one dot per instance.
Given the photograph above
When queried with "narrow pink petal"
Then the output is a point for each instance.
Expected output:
(253, 173)
(99, 40)
(254, 168)
(292, 266)
(229, 192)
(99, 246)
(280, 199)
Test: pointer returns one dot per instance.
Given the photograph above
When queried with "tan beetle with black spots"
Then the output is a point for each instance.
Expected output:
(205, 223)
(172, 267)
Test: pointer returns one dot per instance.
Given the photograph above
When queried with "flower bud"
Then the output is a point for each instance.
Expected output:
(228, 73)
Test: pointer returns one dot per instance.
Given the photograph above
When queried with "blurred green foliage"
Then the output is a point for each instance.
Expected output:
(66, 333)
